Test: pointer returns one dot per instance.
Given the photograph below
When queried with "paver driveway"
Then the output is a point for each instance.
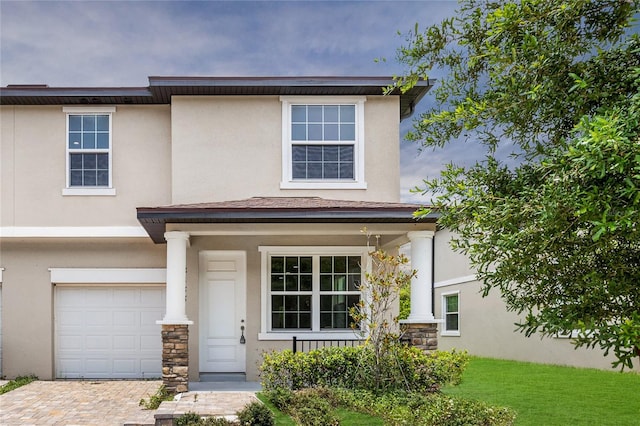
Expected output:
(78, 403)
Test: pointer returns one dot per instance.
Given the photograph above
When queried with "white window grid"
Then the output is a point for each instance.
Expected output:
(356, 181)
(445, 312)
(94, 112)
(270, 333)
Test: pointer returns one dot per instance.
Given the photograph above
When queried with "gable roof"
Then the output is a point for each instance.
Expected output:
(278, 210)
(161, 89)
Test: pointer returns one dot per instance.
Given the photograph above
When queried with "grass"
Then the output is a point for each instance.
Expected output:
(16, 383)
(347, 418)
(352, 418)
(281, 418)
(553, 395)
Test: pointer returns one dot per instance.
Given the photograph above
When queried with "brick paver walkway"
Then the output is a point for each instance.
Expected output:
(78, 403)
(105, 403)
(208, 403)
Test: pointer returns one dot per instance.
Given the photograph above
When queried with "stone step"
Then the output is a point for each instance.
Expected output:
(205, 404)
(223, 377)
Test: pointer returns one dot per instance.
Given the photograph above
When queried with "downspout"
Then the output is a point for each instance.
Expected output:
(433, 275)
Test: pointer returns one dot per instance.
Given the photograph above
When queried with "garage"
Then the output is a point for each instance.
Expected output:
(108, 331)
(1, 375)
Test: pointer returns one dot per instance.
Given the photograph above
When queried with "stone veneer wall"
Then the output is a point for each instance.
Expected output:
(421, 335)
(175, 357)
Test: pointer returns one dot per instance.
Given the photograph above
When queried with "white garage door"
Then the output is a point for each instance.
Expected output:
(105, 332)
(0, 325)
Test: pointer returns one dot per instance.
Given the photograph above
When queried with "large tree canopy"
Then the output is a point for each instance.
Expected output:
(558, 234)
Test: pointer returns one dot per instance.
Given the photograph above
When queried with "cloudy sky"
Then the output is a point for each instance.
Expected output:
(121, 43)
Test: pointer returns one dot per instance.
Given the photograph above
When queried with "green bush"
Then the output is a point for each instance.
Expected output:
(410, 408)
(280, 397)
(162, 394)
(189, 419)
(401, 368)
(218, 421)
(193, 419)
(256, 414)
(308, 407)
(447, 366)
(16, 383)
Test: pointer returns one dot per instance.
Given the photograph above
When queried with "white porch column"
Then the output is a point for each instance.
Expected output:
(421, 284)
(176, 312)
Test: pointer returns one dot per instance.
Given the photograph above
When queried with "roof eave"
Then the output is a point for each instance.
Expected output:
(154, 220)
(161, 89)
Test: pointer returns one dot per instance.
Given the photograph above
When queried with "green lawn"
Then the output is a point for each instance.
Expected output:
(553, 395)
(347, 418)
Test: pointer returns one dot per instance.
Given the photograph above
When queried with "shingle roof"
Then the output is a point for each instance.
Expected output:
(277, 210)
(282, 203)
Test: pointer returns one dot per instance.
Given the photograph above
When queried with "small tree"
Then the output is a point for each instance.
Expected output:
(375, 314)
(557, 231)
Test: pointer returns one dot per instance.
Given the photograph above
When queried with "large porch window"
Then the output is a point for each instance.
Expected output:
(310, 289)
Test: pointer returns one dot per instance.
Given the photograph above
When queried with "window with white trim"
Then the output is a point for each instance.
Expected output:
(451, 313)
(323, 142)
(89, 151)
(307, 289)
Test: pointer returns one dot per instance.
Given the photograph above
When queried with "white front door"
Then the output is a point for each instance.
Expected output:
(223, 290)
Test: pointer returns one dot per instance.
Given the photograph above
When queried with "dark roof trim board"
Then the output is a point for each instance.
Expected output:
(277, 210)
(161, 89)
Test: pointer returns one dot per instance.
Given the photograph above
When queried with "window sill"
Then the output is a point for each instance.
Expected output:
(322, 185)
(450, 334)
(89, 192)
(319, 335)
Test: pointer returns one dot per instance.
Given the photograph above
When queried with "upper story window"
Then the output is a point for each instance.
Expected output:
(323, 143)
(89, 153)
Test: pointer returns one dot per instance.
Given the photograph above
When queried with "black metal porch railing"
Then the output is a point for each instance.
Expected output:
(302, 345)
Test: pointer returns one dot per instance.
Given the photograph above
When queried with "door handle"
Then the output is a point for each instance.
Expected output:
(242, 339)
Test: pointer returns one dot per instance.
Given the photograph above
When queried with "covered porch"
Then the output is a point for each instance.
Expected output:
(224, 306)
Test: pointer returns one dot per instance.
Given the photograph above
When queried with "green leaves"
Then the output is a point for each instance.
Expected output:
(557, 233)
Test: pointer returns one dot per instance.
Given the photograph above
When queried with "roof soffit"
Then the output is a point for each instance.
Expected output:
(161, 89)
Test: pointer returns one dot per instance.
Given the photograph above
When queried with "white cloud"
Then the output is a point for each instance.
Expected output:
(121, 43)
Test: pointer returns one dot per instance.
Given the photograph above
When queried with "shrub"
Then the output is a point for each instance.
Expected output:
(447, 366)
(193, 419)
(317, 413)
(401, 368)
(217, 421)
(162, 394)
(401, 408)
(308, 407)
(256, 414)
(329, 366)
(189, 419)
(16, 383)
(280, 397)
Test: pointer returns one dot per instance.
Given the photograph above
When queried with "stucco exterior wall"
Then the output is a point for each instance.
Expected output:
(33, 172)
(487, 329)
(27, 292)
(198, 149)
(254, 347)
(447, 263)
(230, 148)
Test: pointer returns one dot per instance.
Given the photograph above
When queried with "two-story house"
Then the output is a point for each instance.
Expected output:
(228, 209)
(202, 221)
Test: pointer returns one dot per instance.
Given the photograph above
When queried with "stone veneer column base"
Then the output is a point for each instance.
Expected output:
(421, 335)
(175, 357)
